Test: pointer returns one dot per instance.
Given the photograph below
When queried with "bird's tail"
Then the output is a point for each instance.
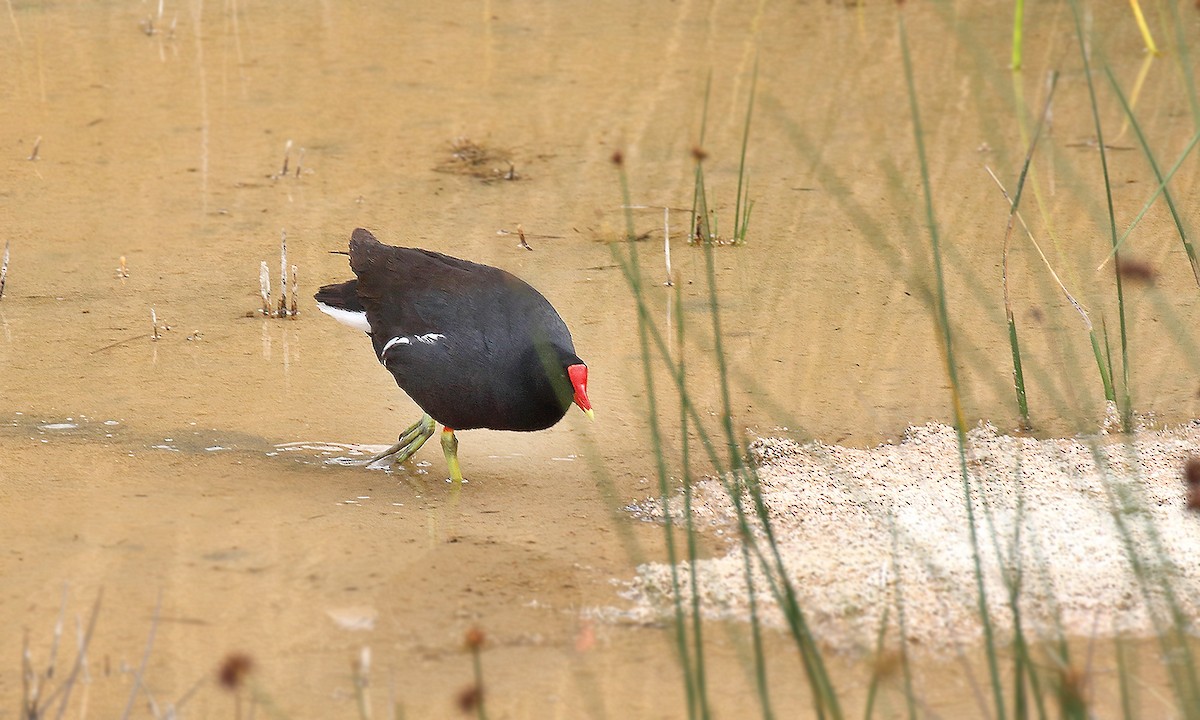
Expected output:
(342, 296)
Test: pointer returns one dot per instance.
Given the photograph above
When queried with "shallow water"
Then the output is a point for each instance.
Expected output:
(195, 469)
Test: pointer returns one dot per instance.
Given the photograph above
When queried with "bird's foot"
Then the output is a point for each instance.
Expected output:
(409, 442)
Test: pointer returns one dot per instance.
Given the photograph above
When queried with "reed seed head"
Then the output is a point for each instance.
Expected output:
(469, 698)
(234, 669)
(618, 158)
(698, 154)
(474, 638)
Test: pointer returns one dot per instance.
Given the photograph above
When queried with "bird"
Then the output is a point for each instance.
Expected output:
(474, 346)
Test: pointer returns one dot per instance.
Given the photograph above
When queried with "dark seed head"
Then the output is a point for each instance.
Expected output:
(234, 669)
(699, 154)
(469, 698)
(618, 158)
(474, 638)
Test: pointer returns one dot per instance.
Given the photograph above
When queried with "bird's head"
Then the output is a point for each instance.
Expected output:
(578, 375)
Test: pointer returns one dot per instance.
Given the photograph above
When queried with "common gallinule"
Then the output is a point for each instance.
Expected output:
(474, 346)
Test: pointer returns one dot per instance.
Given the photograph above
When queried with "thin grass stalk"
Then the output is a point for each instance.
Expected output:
(943, 318)
(699, 226)
(1127, 407)
(739, 232)
(1143, 28)
(1014, 343)
(1101, 355)
(1162, 183)
(1108, 358)
(745, 228)
(1023, 666)
(823, 692)
(1018, 23)
(701, 683)
(362, 680)
(477, 669)
(901, 622)
(1120, 502)
(1138, 83)
(4, 268)
(1185, 61)
(139, 677)
(824, 695)
(746, 533)
(760, 659)
(62, 694)
(877, 672)
(657, 442)
(1153, 197)
(1018, 371)
(703, 232)
(1123, 675)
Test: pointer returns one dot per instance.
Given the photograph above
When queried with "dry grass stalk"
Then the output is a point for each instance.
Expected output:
(287, 153)
(264, 284)
(295, 293)
(4, 268)
(1087, 320)
(283, 264)
(521, 234)
(362, 680)
(667, 243)
(37, 145)
(154, 324)
(122, 268)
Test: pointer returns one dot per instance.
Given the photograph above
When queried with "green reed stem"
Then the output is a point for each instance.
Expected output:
(701, 684)
(1014, 344)
(1103, 362)
(477, 664)
(1127, 406)
(1173, 638)
(1123, 676)
(902, 622)
(818, 679)
(1018, 23)
(879, 659)
(1162, 182)
(681, 643)
(741, 209)
(943, 319)
(1184, 59)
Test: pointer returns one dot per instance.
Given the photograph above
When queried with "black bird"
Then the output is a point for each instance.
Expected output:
(474, 346)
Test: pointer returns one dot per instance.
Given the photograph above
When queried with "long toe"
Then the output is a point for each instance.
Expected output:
(409, 442)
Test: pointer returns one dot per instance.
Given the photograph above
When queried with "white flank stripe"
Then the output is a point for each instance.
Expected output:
(356, 320)
(430, 338)
(393, 341)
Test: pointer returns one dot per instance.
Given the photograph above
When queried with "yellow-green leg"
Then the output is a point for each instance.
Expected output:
(450, 447)
(409, 442)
